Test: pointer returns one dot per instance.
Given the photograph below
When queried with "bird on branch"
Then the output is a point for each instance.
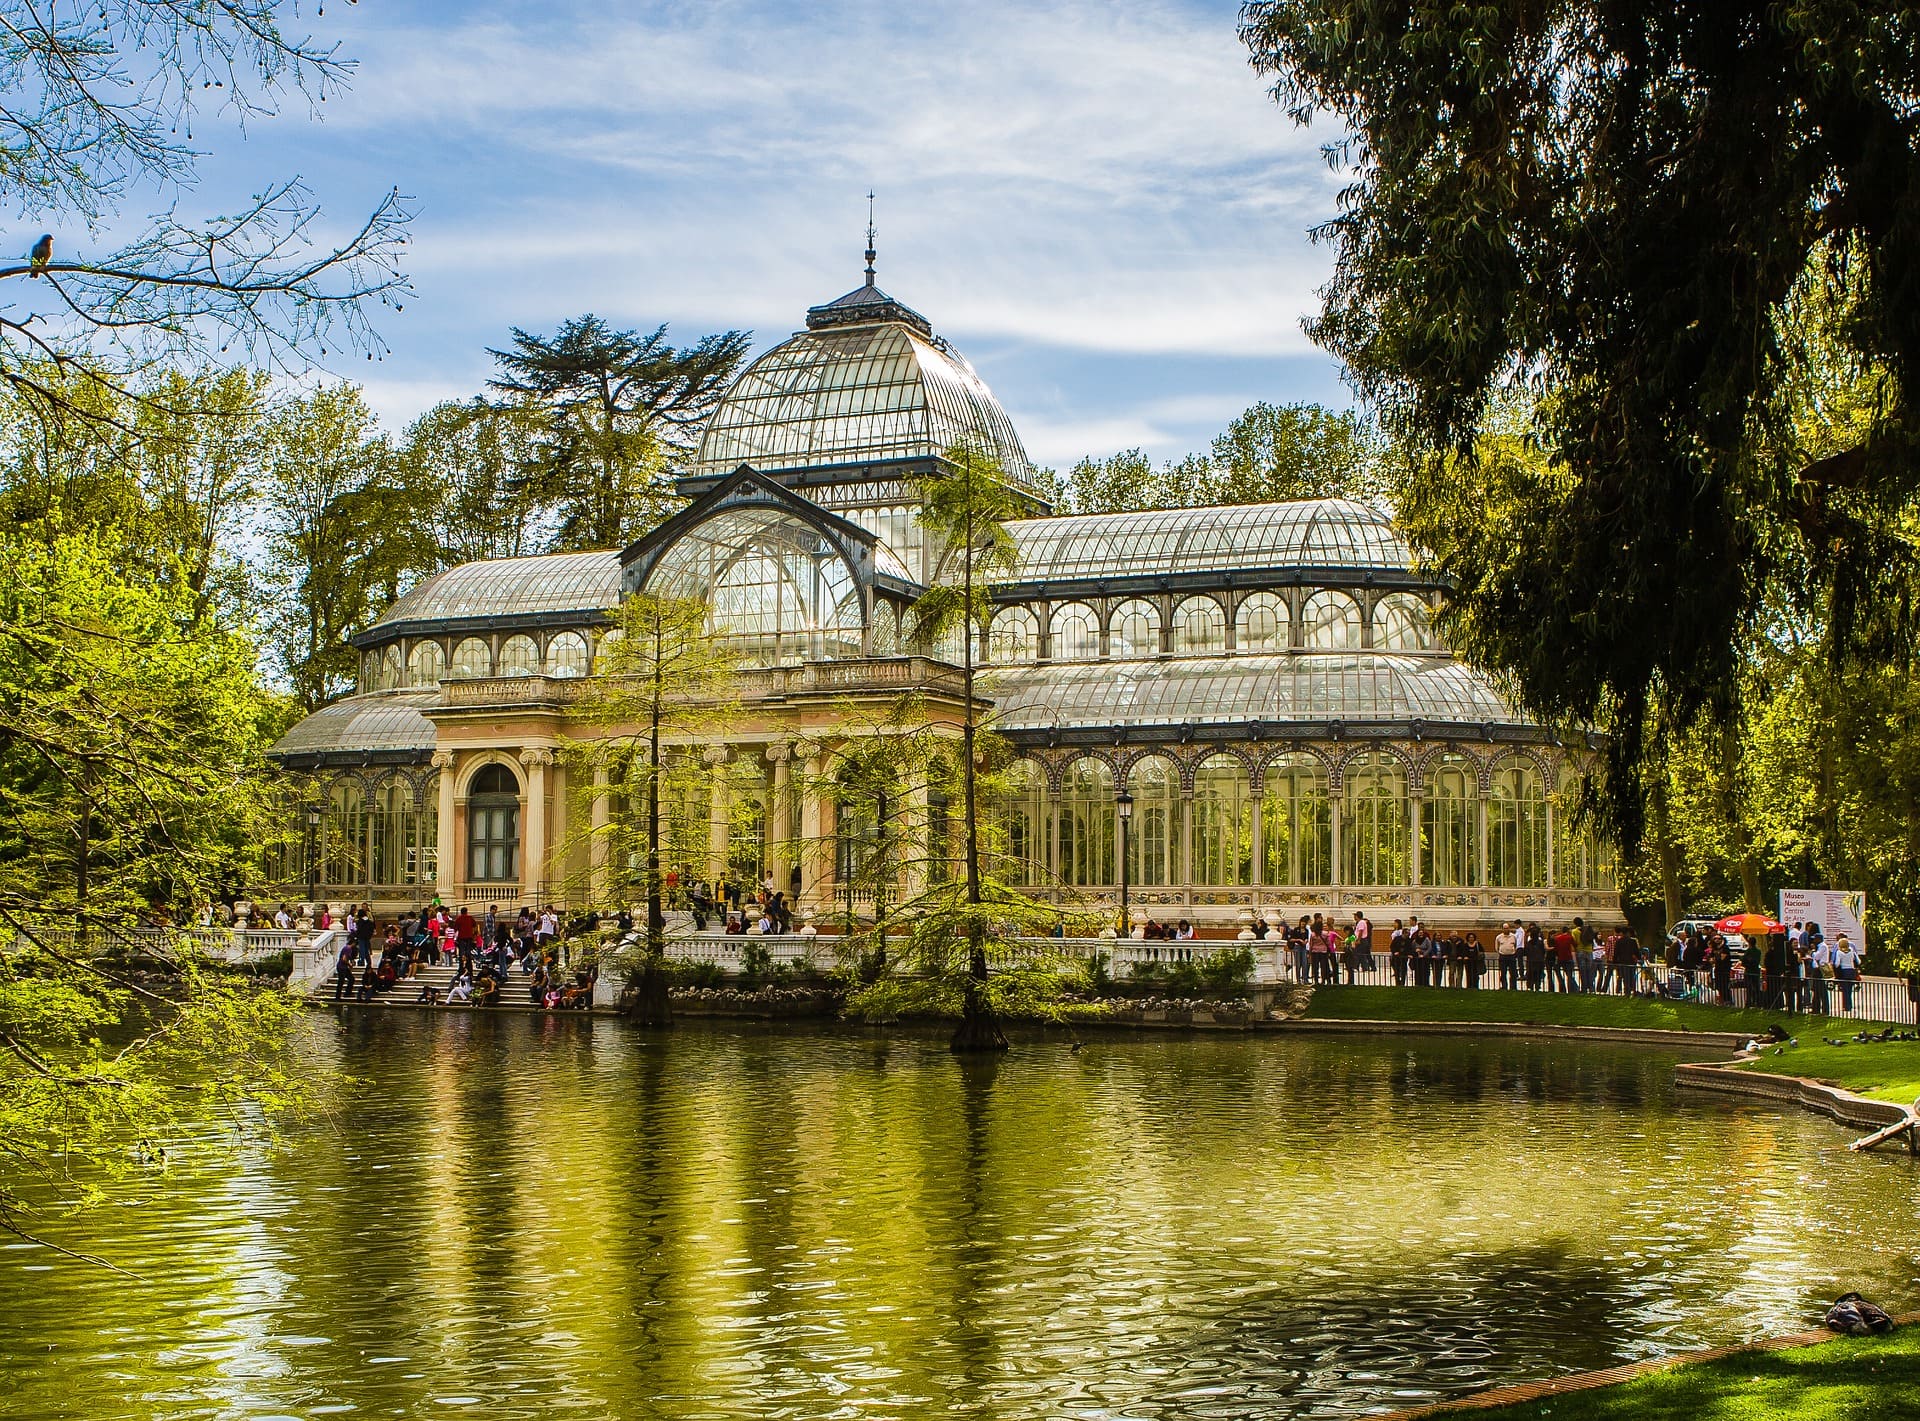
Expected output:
(41, 254)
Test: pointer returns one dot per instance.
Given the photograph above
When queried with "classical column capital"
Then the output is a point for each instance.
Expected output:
(778, 753)
(806, 749)
(714, 756)
(539, 757)
(442, 760)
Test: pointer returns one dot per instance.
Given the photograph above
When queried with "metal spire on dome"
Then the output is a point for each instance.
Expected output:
(870, 251)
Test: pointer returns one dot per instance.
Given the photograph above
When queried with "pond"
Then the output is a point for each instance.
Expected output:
(528, 1217)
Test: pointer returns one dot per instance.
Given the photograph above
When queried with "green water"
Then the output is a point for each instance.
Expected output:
(527, 1217)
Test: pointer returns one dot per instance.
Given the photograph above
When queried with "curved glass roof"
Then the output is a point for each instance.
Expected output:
(380, 720)
(1328, 533)
(1312, 686)
(856, 394)
(502, 587)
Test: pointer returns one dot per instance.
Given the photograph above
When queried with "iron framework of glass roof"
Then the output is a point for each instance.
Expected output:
(382, 724)
(857, 395)
(585, 583)
(1333, 534)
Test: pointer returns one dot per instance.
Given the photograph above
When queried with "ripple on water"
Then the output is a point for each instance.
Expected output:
(525, 1217)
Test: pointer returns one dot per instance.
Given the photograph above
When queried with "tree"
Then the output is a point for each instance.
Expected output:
(343, 537)
(463, 460)
(131, 741)
(663, 690)
(102, 102)
(620, 413)
(1268, 454)
(1614, 206)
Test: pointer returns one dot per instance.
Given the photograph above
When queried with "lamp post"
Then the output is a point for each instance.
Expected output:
(313, 855)
(1123, 808)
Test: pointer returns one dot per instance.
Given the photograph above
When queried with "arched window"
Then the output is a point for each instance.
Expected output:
(1517, 825)
(1153, 836)
(402, 833)
(1296, 823)
(343, 836)
(1330, 621)
(886, 629)
(1013, 635)
(567, 655)
(1199, 627)
(1401, 623)
(471, 658)
(1222, 822)
(1026, 800)
(608, 652)
(427, 664)
(775, 583)
(1085, 825)
(1134, 630)
(1260, 623)
(1075, 633)
(519, 657)
(1373, 823)
(1449, 825)
(493, 826)
(393, 668)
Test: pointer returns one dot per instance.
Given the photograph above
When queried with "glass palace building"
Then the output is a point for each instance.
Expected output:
(1262, 680)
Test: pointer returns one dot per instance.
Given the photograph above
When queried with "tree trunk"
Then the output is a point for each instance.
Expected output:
(654, 1004)
(979, 1028)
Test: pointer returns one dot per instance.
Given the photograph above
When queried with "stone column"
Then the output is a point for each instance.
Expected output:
(446, 854)
(1416, 868)
(1256, 829)
(780, 814)
(714, 757)
(597, 847)
(815, 850)
(533, 829)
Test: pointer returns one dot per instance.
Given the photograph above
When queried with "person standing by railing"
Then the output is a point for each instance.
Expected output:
(1846, 970)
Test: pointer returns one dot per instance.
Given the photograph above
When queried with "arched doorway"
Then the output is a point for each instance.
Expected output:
(493, 826)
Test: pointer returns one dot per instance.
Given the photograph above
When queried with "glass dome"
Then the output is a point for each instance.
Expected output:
(857, 394)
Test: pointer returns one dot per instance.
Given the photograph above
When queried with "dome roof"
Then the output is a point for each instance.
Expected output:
(376, 722)
(1310, 687)
(869, 383)
(1329, 533)
(510, 587)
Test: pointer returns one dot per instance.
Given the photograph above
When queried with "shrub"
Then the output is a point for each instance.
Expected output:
(1229, 971)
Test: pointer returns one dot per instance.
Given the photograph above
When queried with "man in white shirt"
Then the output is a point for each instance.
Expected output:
(283, 919)
(1507, 950)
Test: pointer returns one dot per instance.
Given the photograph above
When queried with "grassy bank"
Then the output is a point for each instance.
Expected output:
(1887, 1070)
(1863, 1377)
(1543, 1008)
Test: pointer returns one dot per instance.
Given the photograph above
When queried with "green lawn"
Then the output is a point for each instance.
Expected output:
(1440, 1004)
(1881, 1070)
(1877, 1377)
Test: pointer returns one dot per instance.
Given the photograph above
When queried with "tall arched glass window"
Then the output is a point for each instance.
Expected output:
(1153, 836)
(1013, 635)
(1084, 827)
(1026, 801)
(1330, 621)
(1199, 627)
(886, 629)
(493, 826)
(567, 655)
(1373, 822)
(472, 658)
(392, 827)
(1449, 825)
(1296, 824)
(393, 670)
(427, 664)
(1074, 633)
(519, 657)
(1261, 623)
(1517, 825)
(343, 836)
(1222, 822)
(1134, 630)
(1401, 623)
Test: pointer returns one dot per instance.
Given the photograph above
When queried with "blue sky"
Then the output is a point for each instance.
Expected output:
(1097, 202)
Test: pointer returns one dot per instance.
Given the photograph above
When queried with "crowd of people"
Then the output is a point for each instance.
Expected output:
(727, 902)
(486, 954)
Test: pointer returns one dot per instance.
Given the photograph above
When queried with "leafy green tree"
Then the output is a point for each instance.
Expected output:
(664, 689)
(620, 413)
(343, 536)
(463, 462)
(1615, 205)
(131, 740)
(1120, 483)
